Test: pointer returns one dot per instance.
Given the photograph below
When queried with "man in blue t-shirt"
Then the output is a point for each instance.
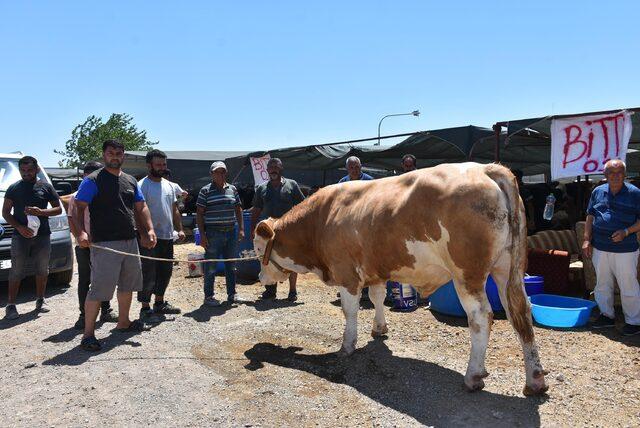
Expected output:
(115, 205)
(610, 240)
(354, 170)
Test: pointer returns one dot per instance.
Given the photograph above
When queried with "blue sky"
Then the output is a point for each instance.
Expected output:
(258, 75)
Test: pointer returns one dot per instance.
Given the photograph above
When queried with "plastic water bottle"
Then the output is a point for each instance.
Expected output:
(548, 208)
(196, 235)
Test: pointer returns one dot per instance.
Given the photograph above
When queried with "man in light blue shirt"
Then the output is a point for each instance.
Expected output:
(161, 200)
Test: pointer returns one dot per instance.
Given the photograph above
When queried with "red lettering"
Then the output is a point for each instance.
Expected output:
(590, 166)
(570, 141)
(605, 132)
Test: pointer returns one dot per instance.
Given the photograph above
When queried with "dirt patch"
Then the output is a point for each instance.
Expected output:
(274, 364)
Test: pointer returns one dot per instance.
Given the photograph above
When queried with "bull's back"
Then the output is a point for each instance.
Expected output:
(456, 210)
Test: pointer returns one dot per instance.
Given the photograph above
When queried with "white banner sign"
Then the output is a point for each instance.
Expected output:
(259, 167)
(582, 145)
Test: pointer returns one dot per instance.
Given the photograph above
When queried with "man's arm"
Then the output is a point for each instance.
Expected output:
(298, 196)
(255, 215)
(143, 218)
(54, 200)
(23, 230)
(177, 222)
(78, 220)
(240, 222)
(200, 210)
(587, 249)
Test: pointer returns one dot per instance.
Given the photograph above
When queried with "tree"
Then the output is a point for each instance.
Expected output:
(86, 139)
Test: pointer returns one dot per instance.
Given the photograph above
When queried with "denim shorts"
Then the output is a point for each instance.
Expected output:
(36, 250)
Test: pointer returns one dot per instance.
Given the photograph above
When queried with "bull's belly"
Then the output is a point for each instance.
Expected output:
(426, 279)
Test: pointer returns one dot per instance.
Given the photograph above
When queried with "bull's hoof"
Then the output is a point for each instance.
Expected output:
(473, 386)
(346, 351)
(475, 383)
(533, 390)
(381, 331)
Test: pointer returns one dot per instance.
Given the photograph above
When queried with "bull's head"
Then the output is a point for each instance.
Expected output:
(270, 272)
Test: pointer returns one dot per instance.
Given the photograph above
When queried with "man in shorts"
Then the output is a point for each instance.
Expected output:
(29, 197)
(115, 203)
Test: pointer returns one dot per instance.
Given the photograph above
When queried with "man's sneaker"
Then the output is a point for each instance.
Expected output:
(108, 316)
(79, 325)
(211, 301)
(293, 296)
(165, 308)
(269, 292)
(236, 299)
(41, 306)
(603, 321)
(147, 316)
(11, 313)
(630, 329)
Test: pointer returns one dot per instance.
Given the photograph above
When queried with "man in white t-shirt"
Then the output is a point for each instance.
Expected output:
(83, 258)
(161, 200)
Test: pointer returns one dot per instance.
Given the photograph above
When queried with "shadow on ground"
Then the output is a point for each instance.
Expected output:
(77, 356)
(431, 394)
(26, 301)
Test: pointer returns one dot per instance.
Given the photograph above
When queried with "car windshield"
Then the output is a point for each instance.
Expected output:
(9, 174)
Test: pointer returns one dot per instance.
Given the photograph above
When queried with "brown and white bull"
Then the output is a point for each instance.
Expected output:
(453, 221)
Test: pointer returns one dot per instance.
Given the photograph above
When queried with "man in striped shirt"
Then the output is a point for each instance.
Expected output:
(219, 215)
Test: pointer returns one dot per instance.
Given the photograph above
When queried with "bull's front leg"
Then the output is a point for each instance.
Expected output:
(350, 305)
(377, 294)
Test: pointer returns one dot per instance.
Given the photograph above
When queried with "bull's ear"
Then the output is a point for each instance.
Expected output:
(264, 230)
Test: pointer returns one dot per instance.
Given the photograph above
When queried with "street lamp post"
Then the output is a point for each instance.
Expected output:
(413, 113)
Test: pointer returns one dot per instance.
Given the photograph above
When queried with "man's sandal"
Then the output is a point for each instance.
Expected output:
(135, 327)
(90, 344)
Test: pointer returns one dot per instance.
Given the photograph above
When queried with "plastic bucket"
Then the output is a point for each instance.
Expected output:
(405, 297)
(560, 311)
(195, 269)
(533, 285)
(249, 270)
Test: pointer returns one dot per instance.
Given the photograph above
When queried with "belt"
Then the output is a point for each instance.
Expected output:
(219, 228)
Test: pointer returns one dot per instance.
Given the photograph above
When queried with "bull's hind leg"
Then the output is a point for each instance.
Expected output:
(377, 294)
(518, 310)
(350, 306)
(476, 305)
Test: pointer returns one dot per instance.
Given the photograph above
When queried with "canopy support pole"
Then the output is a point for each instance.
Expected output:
(497, 129)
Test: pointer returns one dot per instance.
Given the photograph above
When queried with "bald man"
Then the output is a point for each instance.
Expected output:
(610, 240)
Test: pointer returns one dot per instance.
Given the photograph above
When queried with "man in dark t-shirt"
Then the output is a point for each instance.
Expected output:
(275, 198)
(29, 198)
(115, 203)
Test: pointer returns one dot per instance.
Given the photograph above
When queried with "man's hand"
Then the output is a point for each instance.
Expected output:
(83, 240)
(33, 211)
(203, 241)
(149, 239)
(619, 235)
(587, 250)
(181, 236)
(240, 235)
(25, 231)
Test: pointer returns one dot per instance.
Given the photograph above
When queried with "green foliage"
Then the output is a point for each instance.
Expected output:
(86, 139)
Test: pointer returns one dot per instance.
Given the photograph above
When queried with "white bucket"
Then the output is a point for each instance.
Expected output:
(195, 269)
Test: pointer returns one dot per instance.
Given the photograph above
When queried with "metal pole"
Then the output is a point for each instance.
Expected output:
(497, 129)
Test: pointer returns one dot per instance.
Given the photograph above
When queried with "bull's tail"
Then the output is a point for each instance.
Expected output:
(517, 305)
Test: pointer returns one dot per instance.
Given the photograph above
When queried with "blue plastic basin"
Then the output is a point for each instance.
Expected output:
(533, 285)
(560, 311)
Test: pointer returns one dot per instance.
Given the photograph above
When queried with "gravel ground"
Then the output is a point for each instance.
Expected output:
(273, 364)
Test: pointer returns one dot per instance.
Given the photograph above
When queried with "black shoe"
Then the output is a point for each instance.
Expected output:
(630, 329)
(90, 344)
(270, 292)
(147, 316)
(165, 308)
(108, 316)
(293, 296)
(41, 306)
(603, 321)
(79, 325)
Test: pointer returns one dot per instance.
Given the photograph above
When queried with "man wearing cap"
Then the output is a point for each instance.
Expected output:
(218, 214)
